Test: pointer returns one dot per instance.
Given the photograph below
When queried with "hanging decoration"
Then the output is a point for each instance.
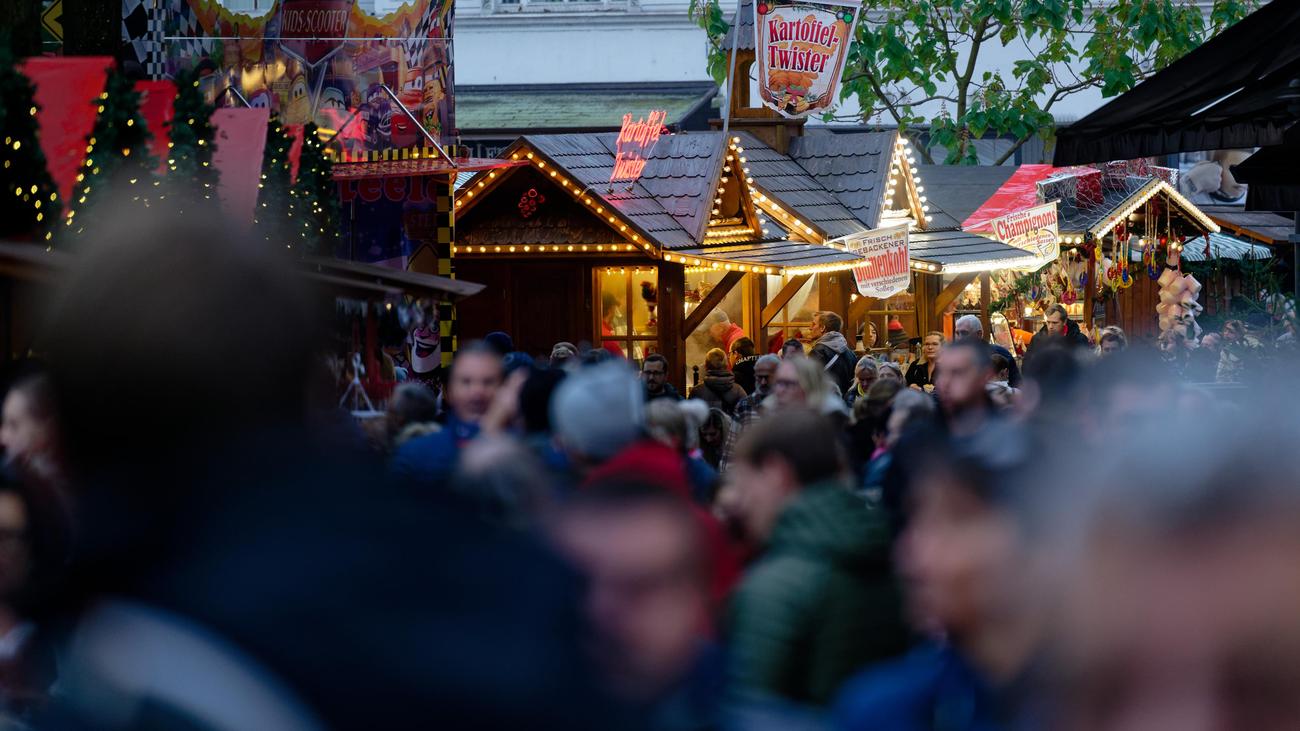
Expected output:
(800, 50)
(529, 203)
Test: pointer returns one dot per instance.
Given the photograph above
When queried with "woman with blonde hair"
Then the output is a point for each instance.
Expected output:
(921, 374)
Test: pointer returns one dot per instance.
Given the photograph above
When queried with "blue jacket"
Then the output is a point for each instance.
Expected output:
(431, 459)
(930, 689)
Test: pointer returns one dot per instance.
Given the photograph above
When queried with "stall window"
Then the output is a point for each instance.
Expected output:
(699, 283)
(793, 320)
(628, 324)
(893, 322)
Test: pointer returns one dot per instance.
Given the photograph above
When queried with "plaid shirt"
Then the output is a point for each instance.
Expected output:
(747, 412)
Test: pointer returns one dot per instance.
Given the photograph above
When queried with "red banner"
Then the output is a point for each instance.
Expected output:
(67, 92)
(240, 137)
(313, 30)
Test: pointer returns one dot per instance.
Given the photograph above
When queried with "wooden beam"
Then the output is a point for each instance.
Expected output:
(672, 342)
(783, 298)
(1088, 294)
(986, 300)
(710, 302)
(952, 292)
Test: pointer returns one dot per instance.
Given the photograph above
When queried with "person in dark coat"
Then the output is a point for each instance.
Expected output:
(821, 600)
(719, 390)
(1058, 326)
(969, 327)
(832, 350)
(654, 374)
(744, 356)
(977, 671)
(923, 373)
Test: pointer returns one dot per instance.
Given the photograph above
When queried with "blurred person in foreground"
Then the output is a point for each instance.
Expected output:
(969, 327)
(798, 382)
(230, 572)
(821, 600)
(29, 431)
(472, 382)
(1203, 365)
(648, 599)
(677, 425)
(412, 411)
(1180, 585)
(33, 549)
(889, 371)
(1111, 341)
(962, 386)
(973, 577)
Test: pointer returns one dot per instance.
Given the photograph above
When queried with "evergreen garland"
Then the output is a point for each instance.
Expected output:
(273, 214)
(29, 200)
(190, 159)
(117, 151)
(314, 189)
(1020, 286)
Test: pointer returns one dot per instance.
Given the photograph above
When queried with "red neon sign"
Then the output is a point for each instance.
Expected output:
(636, 140)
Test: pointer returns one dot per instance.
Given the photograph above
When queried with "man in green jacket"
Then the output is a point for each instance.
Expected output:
(821, 602)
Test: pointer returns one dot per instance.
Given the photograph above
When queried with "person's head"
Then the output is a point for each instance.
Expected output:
(719, 323)
(648, 591)
(1056, 319)
(1212, 342)
(776, 458)
(1234, 331)
(865, 372)
(968, 327)
(535, 399)
(909, 410)
(1172, 342)
(1001, 367)
(562, 353)
(792, 348)
(872, 411)
(476, 374)
(964, 556)
(743, 348)
(930, 345)
(966, 366)
(598, 411)
(889, 371)
(28, 426)
(713, 432)
(654, 371)
(799, 381)
(411, 403)
(715, 360)
(676, 423)
(609, 307)
(500, 341)
(1180, 582)
(825, 322)
(1002, 333)
(1111, 341)
(764, 371)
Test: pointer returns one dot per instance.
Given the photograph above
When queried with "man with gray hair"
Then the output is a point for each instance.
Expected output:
(969, 327)
(598, 411)
(723, 330)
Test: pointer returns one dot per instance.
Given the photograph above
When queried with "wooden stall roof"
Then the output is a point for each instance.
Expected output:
(415, 166)
(837, 182)
(784, 254)
(1269, 228)
(957, 191)
(959, 251)
(413, 283)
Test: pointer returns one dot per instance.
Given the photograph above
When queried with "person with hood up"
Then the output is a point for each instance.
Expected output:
(1057, 326)
(719, 390)
(832, 350)
(821, 601)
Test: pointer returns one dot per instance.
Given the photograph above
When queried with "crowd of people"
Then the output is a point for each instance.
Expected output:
(193, 535)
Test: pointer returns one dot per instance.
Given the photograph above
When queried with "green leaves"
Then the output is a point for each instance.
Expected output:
(923, 61)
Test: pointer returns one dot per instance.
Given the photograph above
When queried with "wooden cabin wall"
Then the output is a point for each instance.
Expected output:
(539, 302)
(1136, 307)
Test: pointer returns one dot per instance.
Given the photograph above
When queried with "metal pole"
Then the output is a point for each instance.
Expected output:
(1295, 253)
(418, 125)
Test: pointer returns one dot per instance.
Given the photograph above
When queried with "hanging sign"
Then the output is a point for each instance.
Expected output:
(801, 46)
(886, 267)
(1034, 230)
(636, 140)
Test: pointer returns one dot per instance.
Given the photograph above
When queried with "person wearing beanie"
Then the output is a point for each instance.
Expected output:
(501, 342)
(598, 411)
